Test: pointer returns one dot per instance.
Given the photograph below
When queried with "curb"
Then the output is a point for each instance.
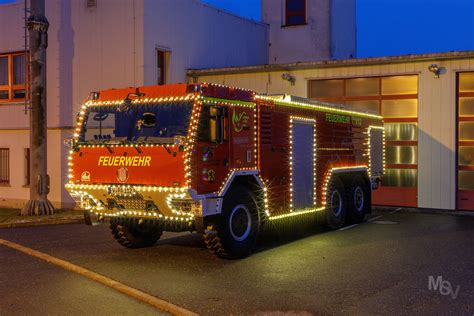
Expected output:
(424, 211)
(30, 223)
(141, 296)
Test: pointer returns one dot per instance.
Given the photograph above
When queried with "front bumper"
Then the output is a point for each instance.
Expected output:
(164, 203)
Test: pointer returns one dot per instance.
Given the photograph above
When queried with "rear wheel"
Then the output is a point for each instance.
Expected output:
(359, 199)
(234, 233)
(133, 234)
(336, 205)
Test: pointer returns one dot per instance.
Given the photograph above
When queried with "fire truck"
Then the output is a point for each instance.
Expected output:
(221, 161)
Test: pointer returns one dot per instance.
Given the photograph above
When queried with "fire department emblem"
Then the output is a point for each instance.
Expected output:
(122, 174)
(86, 176)
(240, 121)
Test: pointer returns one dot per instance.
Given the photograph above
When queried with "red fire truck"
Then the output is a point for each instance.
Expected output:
(222, 161)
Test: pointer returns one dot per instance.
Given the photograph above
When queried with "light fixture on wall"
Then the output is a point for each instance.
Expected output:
(436, 70)
(290, 78)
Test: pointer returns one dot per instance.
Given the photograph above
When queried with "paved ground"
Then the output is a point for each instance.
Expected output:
(380, 267)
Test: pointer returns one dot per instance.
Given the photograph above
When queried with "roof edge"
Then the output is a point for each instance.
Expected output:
(333, 63)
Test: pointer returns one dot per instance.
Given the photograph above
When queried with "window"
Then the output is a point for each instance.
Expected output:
(161, 64)
(13, 77)
(295, 12)
(4, 166)
(27, 166)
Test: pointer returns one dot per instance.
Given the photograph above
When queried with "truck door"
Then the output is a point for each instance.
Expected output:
(211, 157)
(302, 157)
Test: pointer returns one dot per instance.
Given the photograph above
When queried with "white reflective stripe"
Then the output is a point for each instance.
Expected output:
(339, 170)
(234, 174)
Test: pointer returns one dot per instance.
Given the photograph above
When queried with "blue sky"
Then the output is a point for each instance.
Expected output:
(395, 27)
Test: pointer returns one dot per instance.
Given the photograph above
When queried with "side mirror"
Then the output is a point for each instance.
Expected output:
(125, 105)
(99, 117)
(68, 142)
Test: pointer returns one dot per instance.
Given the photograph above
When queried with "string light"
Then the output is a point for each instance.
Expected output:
(369, 148)
(330, 172)
(172, 196)
(296, 213)
(317, 105)
(309, 120)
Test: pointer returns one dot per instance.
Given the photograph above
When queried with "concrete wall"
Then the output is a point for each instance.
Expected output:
(199, 36)
(89, 49)
(110, 46)
(436, 114)
(12, 40)
(315, 40)
(106, 48)
(16, 193)
(343, 29)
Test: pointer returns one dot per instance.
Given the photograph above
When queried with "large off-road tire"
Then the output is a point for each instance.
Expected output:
(358, 199)
(130, 234)
(336, 204)
(233, 234)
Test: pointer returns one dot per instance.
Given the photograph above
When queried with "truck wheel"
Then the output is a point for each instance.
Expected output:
(358, 200)
(131, 235)
(234, 233)
(336, 205)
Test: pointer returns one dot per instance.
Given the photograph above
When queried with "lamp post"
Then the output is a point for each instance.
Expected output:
(39, 180)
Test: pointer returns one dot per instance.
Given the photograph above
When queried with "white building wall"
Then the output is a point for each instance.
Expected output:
(104, 47)
(199, 36)
(15, 194)
(12, 36)
(436, 114)
(329, 32)
(89, 49)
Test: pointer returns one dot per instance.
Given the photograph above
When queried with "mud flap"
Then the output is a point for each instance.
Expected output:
(91, 218)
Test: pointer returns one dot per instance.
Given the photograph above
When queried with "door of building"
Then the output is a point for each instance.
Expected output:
(465, 141)
(396, 99)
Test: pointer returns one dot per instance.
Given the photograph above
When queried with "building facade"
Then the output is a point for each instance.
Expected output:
(104, 44)
(310, 30)
(427, 102)
(303, 47)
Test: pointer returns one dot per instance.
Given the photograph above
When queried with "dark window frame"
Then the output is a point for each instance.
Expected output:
(10, 87)
(293, 13)
(27, 166)
(4, 166)
(161, 65)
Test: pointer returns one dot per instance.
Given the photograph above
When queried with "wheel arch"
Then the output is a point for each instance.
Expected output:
(346, 174)
(246, 178)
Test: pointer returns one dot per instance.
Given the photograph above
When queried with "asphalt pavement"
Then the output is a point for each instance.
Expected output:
(383, 266)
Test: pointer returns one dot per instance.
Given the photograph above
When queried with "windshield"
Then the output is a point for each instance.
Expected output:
(155, 123)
